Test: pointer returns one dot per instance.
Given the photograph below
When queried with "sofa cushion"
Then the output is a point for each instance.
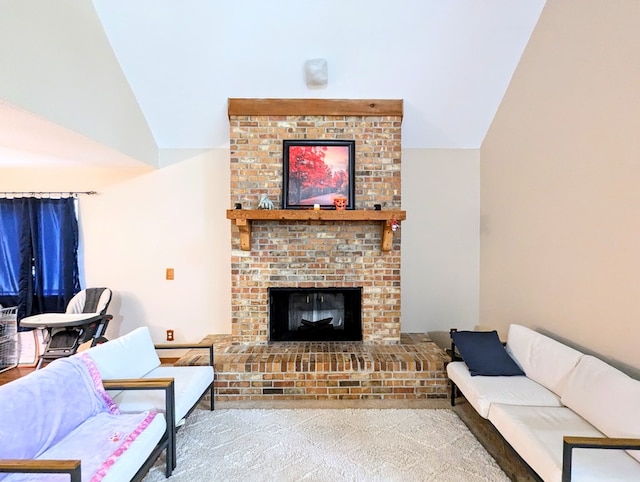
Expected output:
(481, 391)
(190, 382)
(132, 459)
(606, 397)
(536, 434)
(129, 356)
(543, 359)
(484, 353)
(114, 445)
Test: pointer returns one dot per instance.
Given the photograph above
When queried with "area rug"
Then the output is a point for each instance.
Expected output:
(328, 445)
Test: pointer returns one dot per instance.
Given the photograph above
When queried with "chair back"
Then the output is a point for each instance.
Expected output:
(90, 300)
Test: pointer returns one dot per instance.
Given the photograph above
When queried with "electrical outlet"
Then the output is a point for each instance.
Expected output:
(170, 273)
(170, 336)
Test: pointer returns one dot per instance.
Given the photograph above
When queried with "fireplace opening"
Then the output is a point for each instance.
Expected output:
(315, 314)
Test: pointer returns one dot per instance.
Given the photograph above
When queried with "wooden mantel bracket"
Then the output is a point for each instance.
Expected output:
(387, 235)
(242, 218)
(244, 225)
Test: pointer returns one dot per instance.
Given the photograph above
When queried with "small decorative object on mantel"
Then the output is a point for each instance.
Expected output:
(377, 207)
(395, 225)
(265, 203)
(238, 206)
(340, 202)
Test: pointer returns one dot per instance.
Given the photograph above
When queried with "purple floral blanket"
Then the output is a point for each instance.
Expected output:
(63, 412)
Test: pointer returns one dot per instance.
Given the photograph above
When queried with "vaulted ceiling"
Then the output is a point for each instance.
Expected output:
(116, 82)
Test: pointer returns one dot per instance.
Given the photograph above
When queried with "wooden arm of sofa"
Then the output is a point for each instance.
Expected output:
(569, 443)
(168, 386)
(182, 346)
(23, 466)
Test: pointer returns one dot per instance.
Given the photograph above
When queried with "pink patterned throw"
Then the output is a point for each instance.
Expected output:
(94, 373)
(70, 416)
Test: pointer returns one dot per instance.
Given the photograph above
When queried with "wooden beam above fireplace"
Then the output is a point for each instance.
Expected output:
(311, 107)
(242, 219)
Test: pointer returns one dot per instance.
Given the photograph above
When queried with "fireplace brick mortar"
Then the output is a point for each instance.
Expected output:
(315, 254)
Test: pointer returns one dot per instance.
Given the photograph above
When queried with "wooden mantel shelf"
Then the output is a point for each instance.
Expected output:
(312, 107)
(242, 219)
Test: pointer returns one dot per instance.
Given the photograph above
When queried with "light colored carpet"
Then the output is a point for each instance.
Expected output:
(328, 445)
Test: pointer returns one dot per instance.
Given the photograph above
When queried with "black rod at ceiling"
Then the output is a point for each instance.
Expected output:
(45, 194)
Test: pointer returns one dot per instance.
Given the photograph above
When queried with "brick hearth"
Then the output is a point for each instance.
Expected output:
(413, 369)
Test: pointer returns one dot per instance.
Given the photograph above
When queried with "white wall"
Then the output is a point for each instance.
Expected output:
(560, 185)
(175, 217)
(169, 218)
(440, 241)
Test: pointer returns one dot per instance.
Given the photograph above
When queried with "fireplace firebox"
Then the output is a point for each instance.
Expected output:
(315, 314)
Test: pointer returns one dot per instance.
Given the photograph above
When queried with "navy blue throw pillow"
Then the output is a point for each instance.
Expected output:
(484, 354)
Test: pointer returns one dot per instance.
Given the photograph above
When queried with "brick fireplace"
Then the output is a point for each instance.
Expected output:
(320, 254)
(320, 251)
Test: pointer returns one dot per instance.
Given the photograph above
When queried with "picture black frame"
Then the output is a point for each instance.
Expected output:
(316, 171)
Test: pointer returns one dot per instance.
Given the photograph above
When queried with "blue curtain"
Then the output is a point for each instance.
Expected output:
(38, 254)
(11, 228)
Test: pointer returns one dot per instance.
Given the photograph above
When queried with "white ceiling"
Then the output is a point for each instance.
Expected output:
(450, 60)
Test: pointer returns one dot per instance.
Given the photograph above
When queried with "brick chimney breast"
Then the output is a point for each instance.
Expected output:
(324, 254)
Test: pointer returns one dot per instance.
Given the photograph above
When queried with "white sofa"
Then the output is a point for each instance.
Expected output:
(131, 357)
(562, 412)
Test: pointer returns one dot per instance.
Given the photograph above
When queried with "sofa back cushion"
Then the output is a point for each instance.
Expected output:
(543, 359)
(129, 356)
(606, 398)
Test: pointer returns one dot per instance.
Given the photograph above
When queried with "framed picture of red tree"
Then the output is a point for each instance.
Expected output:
(316, 171)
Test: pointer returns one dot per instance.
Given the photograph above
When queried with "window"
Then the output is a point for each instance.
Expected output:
(38, 254)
